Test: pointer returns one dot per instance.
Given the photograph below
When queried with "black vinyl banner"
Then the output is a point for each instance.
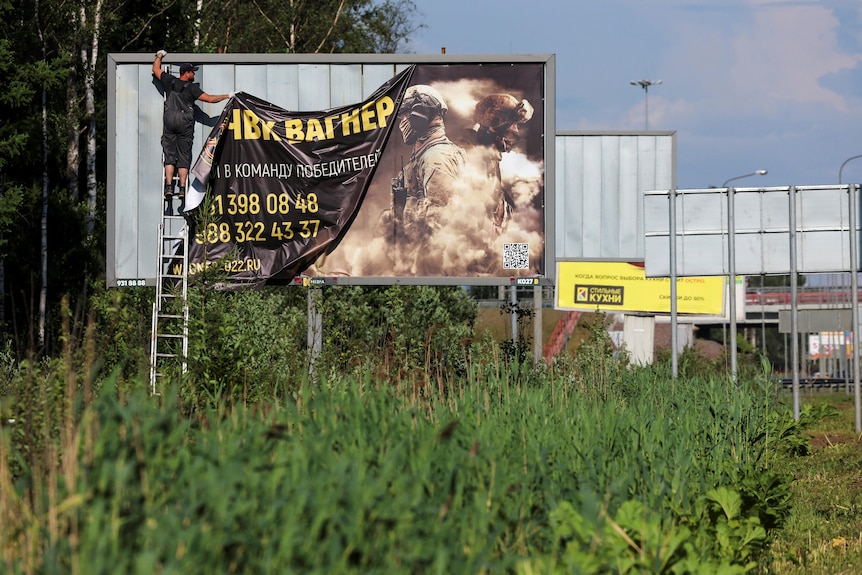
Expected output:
(284, 187)
(438, 177)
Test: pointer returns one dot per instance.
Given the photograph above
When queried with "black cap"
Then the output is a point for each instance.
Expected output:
(187, 68)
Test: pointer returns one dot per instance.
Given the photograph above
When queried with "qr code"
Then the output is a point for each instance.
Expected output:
(516, 256)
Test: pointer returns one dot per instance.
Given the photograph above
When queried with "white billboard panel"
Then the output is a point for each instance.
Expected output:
(600, 181)
(762, 224)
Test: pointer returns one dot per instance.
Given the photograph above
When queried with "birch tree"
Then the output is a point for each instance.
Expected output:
(89, 66)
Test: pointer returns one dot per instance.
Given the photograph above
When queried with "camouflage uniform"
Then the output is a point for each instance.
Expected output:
(426, 183)
(497, 118)
(429, 178)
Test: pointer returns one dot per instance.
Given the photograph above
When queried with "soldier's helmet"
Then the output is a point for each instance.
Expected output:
(424, 101)
(502, 111)
(421, 105)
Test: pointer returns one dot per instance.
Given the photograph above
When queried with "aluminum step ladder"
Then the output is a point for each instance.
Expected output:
(169, 344)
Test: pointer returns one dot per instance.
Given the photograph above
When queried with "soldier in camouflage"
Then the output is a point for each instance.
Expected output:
(495, 130)
(427, 182)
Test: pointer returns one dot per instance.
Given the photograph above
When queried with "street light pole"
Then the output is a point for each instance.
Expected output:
(854, 302)
(841, 169)
(731, 265)
(645, 84)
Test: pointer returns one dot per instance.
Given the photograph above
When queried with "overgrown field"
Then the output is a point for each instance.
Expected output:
(496, 473)
(421, 450)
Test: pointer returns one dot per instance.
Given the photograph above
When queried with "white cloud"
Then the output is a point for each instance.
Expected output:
(778, 56)
(747, 83)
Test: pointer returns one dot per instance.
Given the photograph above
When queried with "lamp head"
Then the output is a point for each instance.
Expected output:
(645, 83)
(754, 173)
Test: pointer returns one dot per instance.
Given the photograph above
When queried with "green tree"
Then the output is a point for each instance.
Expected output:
(305, 26)
(29, 150)
(13, 143)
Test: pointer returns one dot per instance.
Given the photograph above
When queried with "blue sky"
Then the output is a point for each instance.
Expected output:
(746, 84)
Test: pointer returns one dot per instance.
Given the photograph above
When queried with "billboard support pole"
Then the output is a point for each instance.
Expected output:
(513, 299)
(794, 307)
(731, 271)
(854, 306)
(537, 324)
(315, 329)
(674, 336)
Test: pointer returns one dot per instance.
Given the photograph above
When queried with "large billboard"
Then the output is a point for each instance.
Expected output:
(436, 176)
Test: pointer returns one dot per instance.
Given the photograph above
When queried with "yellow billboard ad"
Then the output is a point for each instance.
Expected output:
(621, 286)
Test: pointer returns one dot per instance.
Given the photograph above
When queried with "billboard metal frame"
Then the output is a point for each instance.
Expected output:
(764, 220)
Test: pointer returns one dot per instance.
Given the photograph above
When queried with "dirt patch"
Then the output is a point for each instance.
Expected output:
(828, 440)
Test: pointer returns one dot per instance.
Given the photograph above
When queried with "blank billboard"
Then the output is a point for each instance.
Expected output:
(763, 231)
(601, 178)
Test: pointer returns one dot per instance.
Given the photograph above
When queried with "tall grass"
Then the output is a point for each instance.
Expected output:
(577, 468)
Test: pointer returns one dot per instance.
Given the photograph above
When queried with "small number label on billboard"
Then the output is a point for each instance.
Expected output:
(516, 256)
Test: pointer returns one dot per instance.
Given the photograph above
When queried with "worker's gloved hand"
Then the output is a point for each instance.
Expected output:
(161, 53)
(231, 94)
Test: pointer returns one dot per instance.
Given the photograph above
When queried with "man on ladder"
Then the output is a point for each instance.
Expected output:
(178, 129)
(169, 341)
